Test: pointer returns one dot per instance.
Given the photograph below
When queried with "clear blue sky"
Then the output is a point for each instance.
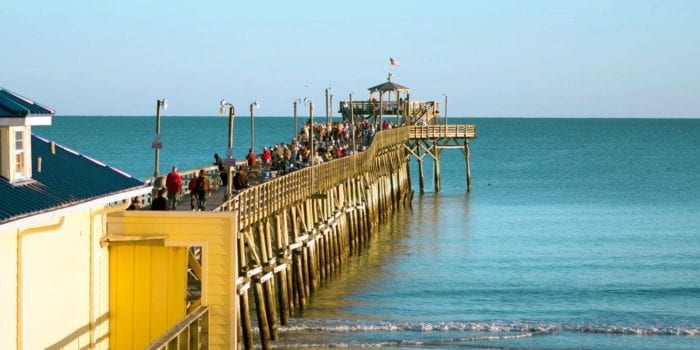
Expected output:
(492, 58)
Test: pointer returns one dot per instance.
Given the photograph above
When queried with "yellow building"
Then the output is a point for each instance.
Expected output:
(80, 272)
(53, 208)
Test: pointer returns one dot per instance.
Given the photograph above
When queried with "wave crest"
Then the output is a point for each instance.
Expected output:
(491, 327)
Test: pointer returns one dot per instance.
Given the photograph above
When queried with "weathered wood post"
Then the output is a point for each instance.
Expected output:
(421, 179)
(244, 304)
(281, 269)
(246, 325)
(436, 167)
(467, 161)
(262, 315)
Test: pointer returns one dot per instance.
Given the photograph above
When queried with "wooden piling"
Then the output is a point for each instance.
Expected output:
(468, 163)
(436, 167)
(281, 269)
(421, 179)
(263, 326)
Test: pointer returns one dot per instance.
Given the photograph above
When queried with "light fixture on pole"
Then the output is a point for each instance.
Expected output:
(228, 162)
(157, 144)
(296, 129)
(253, 105)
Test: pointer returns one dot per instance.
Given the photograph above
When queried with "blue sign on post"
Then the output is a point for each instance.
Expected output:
(229, 162)
(156, 144)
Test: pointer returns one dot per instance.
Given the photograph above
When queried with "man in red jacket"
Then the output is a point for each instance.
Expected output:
(174, 185)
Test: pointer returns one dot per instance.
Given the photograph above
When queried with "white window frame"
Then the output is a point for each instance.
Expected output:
(20, 168)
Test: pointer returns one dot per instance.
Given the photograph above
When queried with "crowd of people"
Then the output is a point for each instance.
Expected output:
(315, 144)
(330, 141)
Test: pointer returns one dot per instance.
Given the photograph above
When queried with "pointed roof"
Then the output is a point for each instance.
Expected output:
(16, 106)
(67, 178)
(389, 86)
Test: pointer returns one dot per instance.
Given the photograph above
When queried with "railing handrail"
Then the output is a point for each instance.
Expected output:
(178, 328)
(260, 200)
(437, 131)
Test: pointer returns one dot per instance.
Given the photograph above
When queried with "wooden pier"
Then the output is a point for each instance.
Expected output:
(432, 140)
(285, 237)
(291, 234)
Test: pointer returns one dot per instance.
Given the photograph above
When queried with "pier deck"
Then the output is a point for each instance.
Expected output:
(439, 136)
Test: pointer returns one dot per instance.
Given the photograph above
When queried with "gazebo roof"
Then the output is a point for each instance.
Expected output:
(389, 86)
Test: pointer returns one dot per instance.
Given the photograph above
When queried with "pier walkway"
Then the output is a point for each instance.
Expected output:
(428, 138)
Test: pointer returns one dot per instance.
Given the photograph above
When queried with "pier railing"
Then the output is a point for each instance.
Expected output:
(262, 200)
(190, 333)
(389, 107)
(439, 131)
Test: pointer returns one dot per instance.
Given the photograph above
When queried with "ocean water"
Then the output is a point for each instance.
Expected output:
(577, 234)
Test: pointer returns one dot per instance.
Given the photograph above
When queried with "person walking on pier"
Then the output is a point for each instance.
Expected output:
(266, 156)
(203, 189)
(194, 197)
(160, 203)
(251, 158)
(222, 170)
(173, 182)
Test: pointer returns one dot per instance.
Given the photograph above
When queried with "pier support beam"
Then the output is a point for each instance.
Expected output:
(436, 167)
(468, 163)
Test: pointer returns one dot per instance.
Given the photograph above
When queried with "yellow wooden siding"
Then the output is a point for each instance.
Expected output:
(147, 292)
(8, 291)
(55, 285)
(214, 233)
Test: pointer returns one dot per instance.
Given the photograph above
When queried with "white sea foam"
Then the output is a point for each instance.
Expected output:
(346, 326)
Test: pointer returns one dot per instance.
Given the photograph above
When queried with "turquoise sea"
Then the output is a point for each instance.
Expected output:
(578, 234)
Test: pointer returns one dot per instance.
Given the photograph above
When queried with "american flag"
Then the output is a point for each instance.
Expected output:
(394, 62)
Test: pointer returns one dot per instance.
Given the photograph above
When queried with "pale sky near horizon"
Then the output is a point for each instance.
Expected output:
(492, 58)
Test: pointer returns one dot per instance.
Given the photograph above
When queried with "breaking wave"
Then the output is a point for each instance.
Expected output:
(525, 328)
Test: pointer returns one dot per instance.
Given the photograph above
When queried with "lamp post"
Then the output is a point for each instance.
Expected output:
(328, 114)
(352, 124)
(253, 105)
(311, 126)
(156, 142)
(445, 111)
(296, 130)
(229, 151)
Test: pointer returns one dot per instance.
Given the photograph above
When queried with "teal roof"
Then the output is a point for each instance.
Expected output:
(66, 178)
(16, 106)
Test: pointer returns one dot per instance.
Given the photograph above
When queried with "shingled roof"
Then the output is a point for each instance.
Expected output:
(66, 178)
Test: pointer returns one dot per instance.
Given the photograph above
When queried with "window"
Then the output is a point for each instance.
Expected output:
(19, 153)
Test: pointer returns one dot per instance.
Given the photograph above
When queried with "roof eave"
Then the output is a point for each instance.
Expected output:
(28, 120)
